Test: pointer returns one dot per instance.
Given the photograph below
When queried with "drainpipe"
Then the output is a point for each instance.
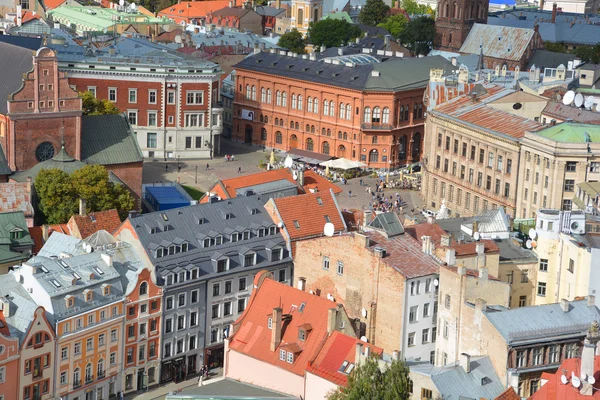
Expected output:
(164, 117)
(560, 257)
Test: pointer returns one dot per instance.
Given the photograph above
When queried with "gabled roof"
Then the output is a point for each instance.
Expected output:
(554, 389)
(16, 196)
(15, 62)
(305, 216)
(252, 336)
(11, 221)
(560, 111)
(21, 306)
(31, 43)
(93, 222)
(269, 11)
(338, 349)
(192, 9)
(502, 42)
(387, 222)
(108, 140)
(238, 12)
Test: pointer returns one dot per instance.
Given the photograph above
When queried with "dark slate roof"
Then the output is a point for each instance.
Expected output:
(31, 43)
(373, 30)
(4, 168)
(108, 140)
(559, 32)
(182, 225)
(269, 11)
(393, 75)
(14, 62)
(549, 59)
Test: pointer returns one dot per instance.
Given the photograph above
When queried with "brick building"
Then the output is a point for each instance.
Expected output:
(241, 18)
(171, 103)
(454, 20)
(371, 112)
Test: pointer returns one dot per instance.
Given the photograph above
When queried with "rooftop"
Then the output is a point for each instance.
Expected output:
(95, 221)
(503, 42)
(192, 9)
(21, 306)
(544, 321)
(560, 111)
(15, 62)
(571, 132)
(97, 18)
(554, 389)
(16, 196)
(13, 230)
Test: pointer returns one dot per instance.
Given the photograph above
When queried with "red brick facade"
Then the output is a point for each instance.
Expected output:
(454, 21)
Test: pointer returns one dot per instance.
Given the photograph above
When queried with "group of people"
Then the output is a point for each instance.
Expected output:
(229, 157)
(381, 202)
(203, 375)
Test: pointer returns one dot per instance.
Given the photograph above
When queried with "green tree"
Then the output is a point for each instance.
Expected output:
(332, 32)
(374, 12)
(418, 35)
(293, 41)
(414, 8)
(589, 54)
(394, 24)
(369, 381)
(556, 47)
(56, 194)
(93, 106)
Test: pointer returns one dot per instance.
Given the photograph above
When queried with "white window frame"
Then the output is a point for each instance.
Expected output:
(195, 97)
(199, 119)
(136, 117)
(92, 89)
(111, 89)
(169, 93)
(150, 91)
(155, 113)
(129, 92)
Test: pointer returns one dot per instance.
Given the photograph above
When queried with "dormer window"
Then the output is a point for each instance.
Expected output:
(249, 259)
(169, 279)
(88, 295)
(246, 235)
(206, 243)
(16, 234)
(261, 232)
(153, 230)
(296, 224)
(70, 300)
(222, 265)
(171, 250)
(229, 216)
(106, 289)
(182, 276)
(201, 221)
(272, 230)
(254, 211)
(276, 254)
(290, 357)
(219, 240)
(235, 237)
(301, 334)
(184, 247)
(270, 325)
(159, 252)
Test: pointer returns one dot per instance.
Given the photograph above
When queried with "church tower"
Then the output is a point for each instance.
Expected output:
(304, 12)
(454, 20)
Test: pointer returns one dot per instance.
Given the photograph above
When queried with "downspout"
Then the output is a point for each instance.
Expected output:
(459, 319)
(54, 388)
(558, 273)
(404, 325)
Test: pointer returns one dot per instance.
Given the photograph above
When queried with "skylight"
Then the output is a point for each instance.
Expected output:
(63, 264)
(296, 224)
(98, 271)
(55, 283)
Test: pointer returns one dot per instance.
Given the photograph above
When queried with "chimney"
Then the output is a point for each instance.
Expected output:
(19, 15)
(331, 320)
(275, 329)
(278, 4)
(132, 214)
(45, 232)
(554, 9)
(480, 306)
(300, 179)
(537, 74)
(480, 248)
(358, 353)
(386, 41)
(340, 52)
(591, 300)
(564, 305)
(445, 240)
(483, 273)
(461, 270)
(588, 352)
(5, 307)
(108, 259)
(426, 244)
(82, 210)
(450, 257)
(465, 362)
(322, 49)
(367, 215)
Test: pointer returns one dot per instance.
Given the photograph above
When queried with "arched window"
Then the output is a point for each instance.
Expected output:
(144, 289)
(307, 128)
(342, 111)
(300, 20)
(402, 148)
(376, 115)
(325, 148)
(284, 100)
(332, 109)
(292, 124)
(263, 134)
(367, 115)
(88, 372)
(341, 151)
(300, 102)
(374, 156)
(261, 118)
(325, 107)
(266, 119)
(386, 116)
(269, 96)
(455, 10)
(345, 136)
(328, 132)
(323, 132)
(446, 8)
(309, 104)
(339, 134)
(278, 137)
(281, 122)
(374, 140)
(76, 377)
(316, 106)
(348, 112)
(297, 125)
(310, 145)
(278, 98)
(312, 129)
(294, 101)
(253, 92)
(248, 92)
(263, 95)
(276, 121)
(100, 367)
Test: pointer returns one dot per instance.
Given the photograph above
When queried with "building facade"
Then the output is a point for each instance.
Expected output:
(174, 108)
(454, 21)
(372, 113)
(205, 257)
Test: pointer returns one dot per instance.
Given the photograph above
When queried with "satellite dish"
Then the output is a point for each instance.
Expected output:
(329, 229)
(591, 380)
(564, 380)
(364, 339)
(436, 282)
(532, 233)
(569, 97)
(528, 244)
(364, 313)
(578, 100)
(583, 376)
(288, 162)
(589, 102)
(477, 236)
(576, 382)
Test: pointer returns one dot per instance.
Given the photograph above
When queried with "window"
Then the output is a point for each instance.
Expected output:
(426, 310)
(490, 160)
(571, 166)
(413, 316)
(567, 205)
(282, 275)
(595, 167)
(241, 305)
(543, 264)
(524, 276)
(446, 330)
(152, 97)
(534, 385)
(541, 289)
(195, 97)
(537, 356)
(181, 300)
(447, 301)
(170, 97)
(326, 263)
(508, 166)
(425, 336)
(521, 358)
(249, 260)
(571, 268)
(282, 355)
(227, 308)
(340, 268)
(215, 311)
(411, 339)
(227, 287)
(506, 189)
(571, 350)
(242, 284)
(569, 185)
(133, 95)
(216, 289)
(499, 165)
(77, 348)
(481, 156)
(522, 301)
(193, 120)
(132, 117)
(151, 118)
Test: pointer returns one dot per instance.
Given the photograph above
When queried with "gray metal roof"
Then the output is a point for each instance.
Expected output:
(561, 31)
(107, 140)
(222, 218)
(21, 305)
(31, 43)
(498, 41)
(549, 59)
(392, 75)
(268, 187)
(59, 243)
(14, 62)
(543, 322)
(389, 223)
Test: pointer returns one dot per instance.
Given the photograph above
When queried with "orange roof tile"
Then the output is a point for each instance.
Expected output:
(252, 336)
(91, 223)
(480, 114)
(36, 233)
(337, 349)
(555, 390)
(435, 232)
(305, 216)
(508, 394)
(468, 249)
(52, 4)
(313, 180)
(470, 272)
(187, 10)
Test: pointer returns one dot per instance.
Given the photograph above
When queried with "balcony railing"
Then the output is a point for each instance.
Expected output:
(376, 126)
(89, 379)
(76, 384)
(101, 374)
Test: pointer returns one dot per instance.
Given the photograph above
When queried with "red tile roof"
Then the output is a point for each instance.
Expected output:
(16, 196)
(436, 232)
(227, 188)
(91, 223)
(471, 272)
(468, 249)
(305, 216)
(52, 4)
(37, 234)
(337, 349)
(480, 114)
(187, 10)
(555, 390)
(252, 336)
(508, 394)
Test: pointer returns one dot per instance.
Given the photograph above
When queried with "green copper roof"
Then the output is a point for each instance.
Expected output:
(14, 222)
(339, 15)
(108, 140)
(61, 161)
(571, 132)
(96, 18)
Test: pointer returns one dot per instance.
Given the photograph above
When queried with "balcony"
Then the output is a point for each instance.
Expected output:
(76, 384)
(376, 126)
(101, 375)
(89, 379)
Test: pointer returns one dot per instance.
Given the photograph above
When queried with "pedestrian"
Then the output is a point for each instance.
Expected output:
(179, 168)
(239, 170)
(207, 166)
(226, 157)
(166, 167)
(360, 181)
(232, 157)
(349, 193)
(201, 378)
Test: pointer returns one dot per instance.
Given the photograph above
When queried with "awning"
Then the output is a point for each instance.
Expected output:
(343, 163)
(305, 154)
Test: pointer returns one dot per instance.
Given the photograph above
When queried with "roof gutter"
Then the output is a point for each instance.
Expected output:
(338, 209)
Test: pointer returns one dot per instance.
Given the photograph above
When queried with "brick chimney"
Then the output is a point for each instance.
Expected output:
(554, 10)
(275, 329)
(331, 320)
